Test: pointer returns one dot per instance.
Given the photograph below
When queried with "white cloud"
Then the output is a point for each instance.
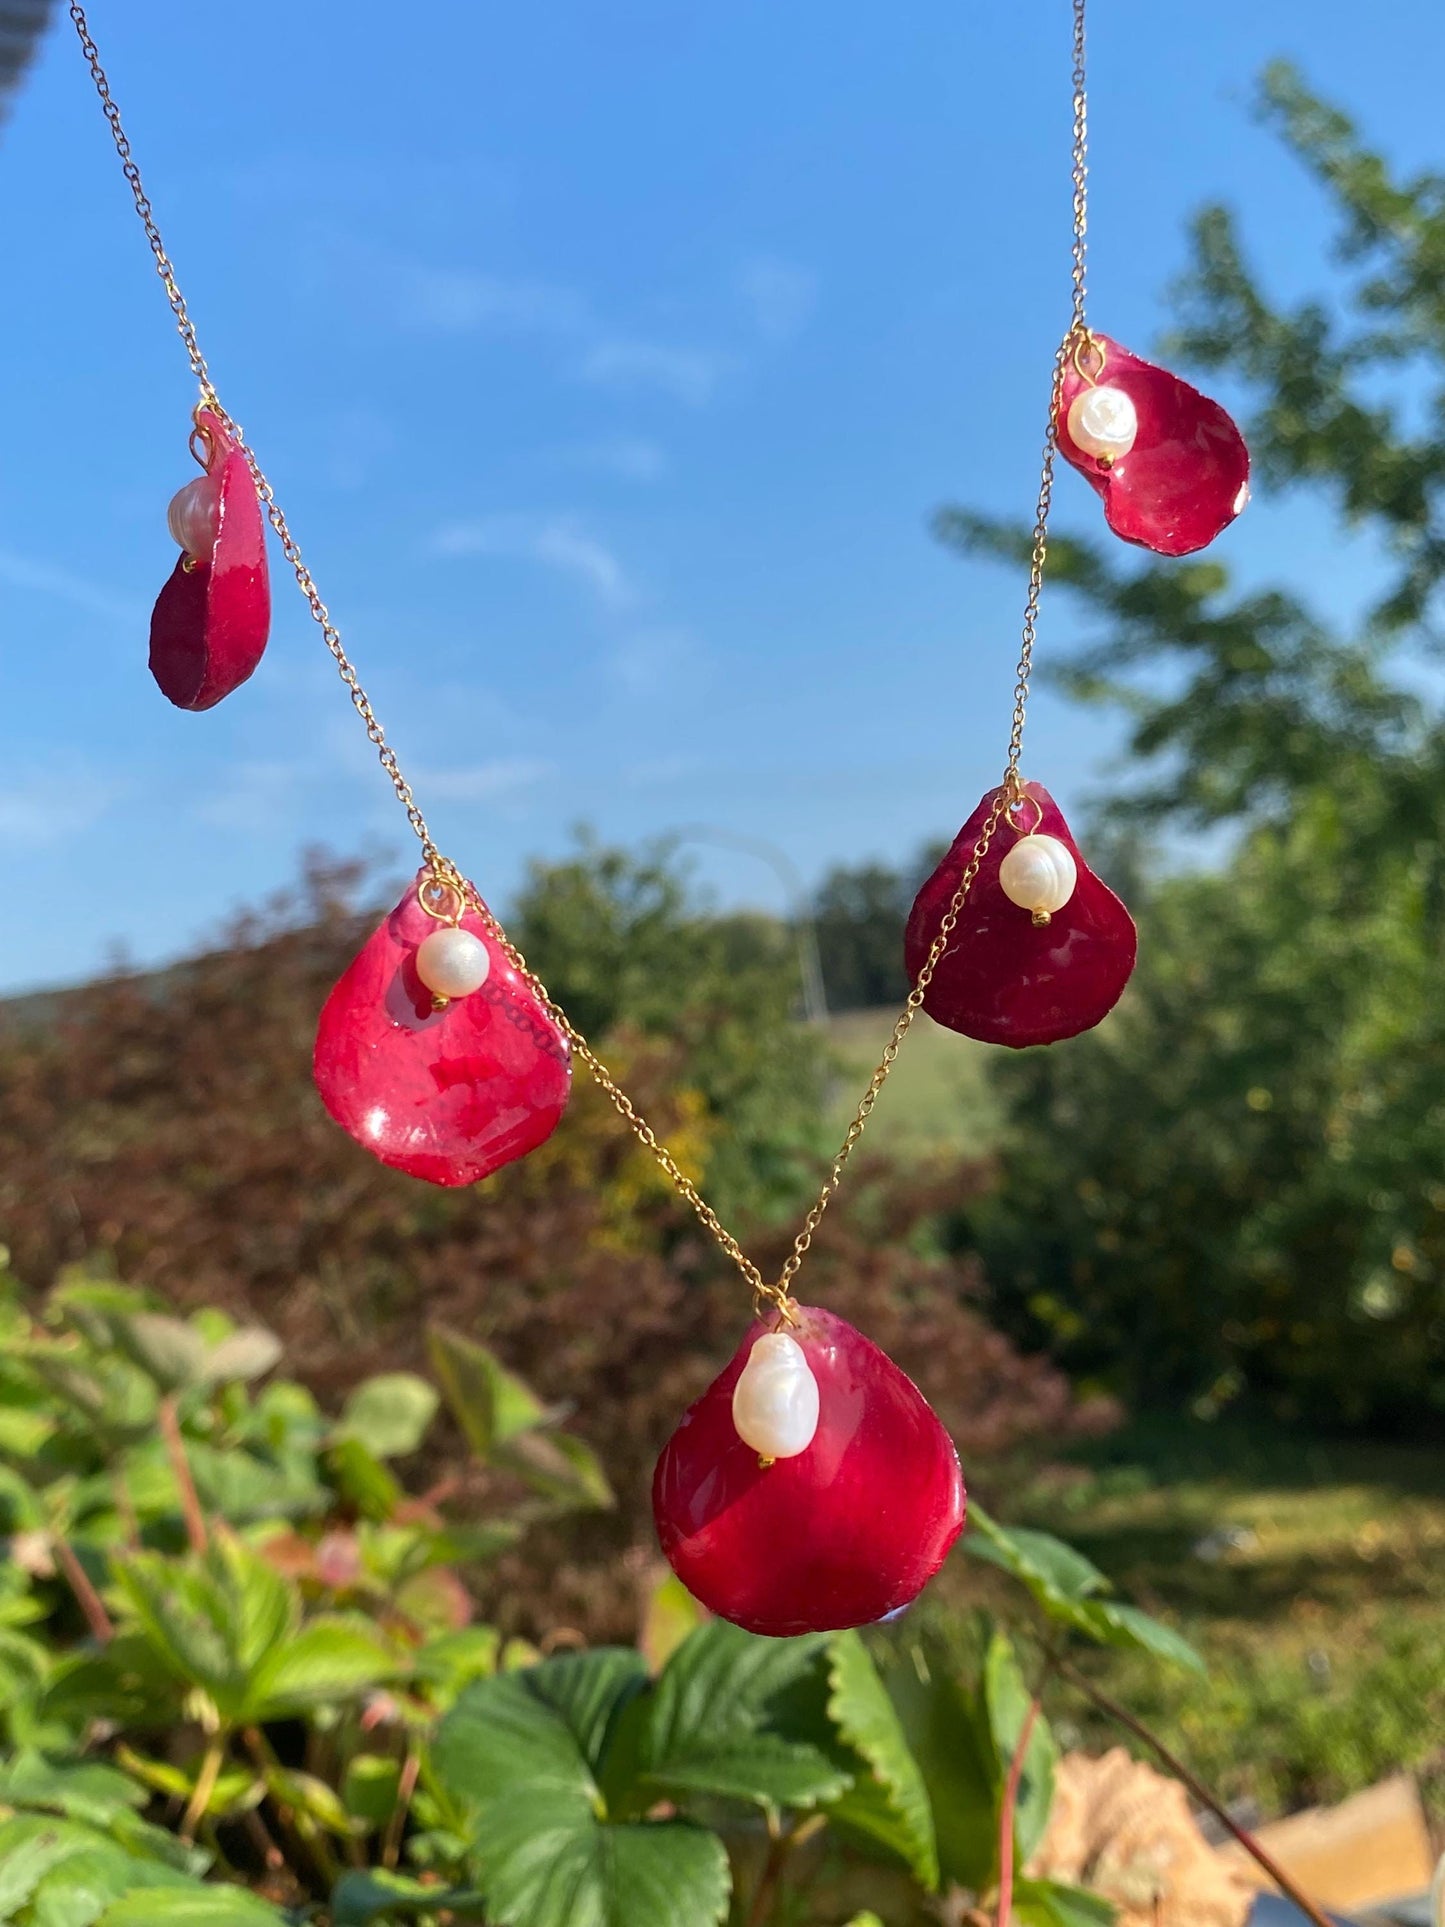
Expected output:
(45, 578)
(689, 374)
(556, 542)
(49, 806)
(458, 301)
(779, 296)
(503, 777)
(631, 459)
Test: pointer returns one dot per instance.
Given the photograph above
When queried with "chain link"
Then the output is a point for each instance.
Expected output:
(776, 1295)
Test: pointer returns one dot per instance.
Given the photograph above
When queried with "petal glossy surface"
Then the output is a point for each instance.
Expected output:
(1004, 978)
(850, 1530)
(448, 1095)
(1186, 476)
(210, 623)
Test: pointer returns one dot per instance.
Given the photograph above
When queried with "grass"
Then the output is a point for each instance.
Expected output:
(938, 1094)
(1323, 1629)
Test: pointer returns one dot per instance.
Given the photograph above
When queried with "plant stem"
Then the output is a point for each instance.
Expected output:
(170, 1424)
(306, 1844)
(86, 1597)
(1006, 1814)
(766, 1891)
(396, 1825)
(205, 1786)
(1202, 1794)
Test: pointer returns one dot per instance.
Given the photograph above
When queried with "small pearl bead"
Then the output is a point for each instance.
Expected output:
(1038, 874)
(194, 517)
(1103, 421)
(775, 1401)
(452, 963)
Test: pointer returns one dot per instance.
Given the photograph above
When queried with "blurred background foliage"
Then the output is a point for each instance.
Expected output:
(1224, 1210)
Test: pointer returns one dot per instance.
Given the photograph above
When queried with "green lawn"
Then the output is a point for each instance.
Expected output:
(1324, 1630)
(937, 1093)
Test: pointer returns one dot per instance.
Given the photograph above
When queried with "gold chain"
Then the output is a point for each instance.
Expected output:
(1004, 802)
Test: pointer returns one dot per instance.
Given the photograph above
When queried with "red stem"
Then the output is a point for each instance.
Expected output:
(170, 1423)
(86, 1597)
(1006, 1815)
(1181, 1772)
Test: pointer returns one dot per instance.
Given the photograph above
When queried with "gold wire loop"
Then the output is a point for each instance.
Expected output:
(443, 898)
(1012, 809)
(202, 442)
(1088, 356)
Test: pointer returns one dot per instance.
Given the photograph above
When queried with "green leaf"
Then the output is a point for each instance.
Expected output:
(168, 1350)
(82, 1789)
(1008, 1701)
(1048, 1903)
(361, 1478)
(947, 1730)
(671, 1613)
(360, 1898)
(888, 1800)
(1051, 1570)
(1065, 1585)
(241, 1355)
(185, 1618)
(237, 1789)
(390, 1413)
(214, 1906)
(1127, 1626)
(716, 1724)
(541, 1867)
(564, 1472)
(543, 1729)
(334, 1658)
(490, 1403)
(370, 1787)
(311, 1796)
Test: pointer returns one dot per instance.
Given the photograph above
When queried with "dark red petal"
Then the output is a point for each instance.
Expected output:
(842, 1535)
(1187, 475)
(1004, 978)
(210, 623)
(448, 1095)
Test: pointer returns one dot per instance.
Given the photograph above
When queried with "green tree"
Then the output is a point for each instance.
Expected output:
(1244, 1171)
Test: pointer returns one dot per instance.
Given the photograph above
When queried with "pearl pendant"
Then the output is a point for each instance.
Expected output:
(194, 517)
(451, 962)
(775, 1401)
(1038, 874)
(1103, 422)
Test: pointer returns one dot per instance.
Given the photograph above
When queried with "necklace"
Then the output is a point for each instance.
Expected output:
(811, 1486)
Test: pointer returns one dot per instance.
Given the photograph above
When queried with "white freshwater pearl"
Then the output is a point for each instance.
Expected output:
(1038, 874)
(452, 962)
(775, 1401)
(1103, 421)
(194, 517)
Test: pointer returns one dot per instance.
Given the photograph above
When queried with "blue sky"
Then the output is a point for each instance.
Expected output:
(609, 361)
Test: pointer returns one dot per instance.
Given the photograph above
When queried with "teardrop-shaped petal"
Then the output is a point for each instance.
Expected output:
(1186, 476)
(1004, 978)
(448, 1095)
(843, 1534)
(211, 621)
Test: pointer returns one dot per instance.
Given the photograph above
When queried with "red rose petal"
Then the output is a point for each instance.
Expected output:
(448, 1095)
(847, 1532)
(210, 623)
(1004, 978)
(1187, 475)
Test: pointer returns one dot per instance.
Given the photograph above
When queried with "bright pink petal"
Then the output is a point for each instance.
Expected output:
(210, 623)
(1187, 475)
(448, 1095)
(1004, 978)
(845, 1533)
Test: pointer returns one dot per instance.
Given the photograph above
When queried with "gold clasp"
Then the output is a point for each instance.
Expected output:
(443, 895)
(1088, 357)
(1015, 804)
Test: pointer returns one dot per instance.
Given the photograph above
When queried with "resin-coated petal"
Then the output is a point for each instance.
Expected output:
(210, 622)
(1187, 475)
(448, 1095)
(848, 1531)
(1004, 978)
